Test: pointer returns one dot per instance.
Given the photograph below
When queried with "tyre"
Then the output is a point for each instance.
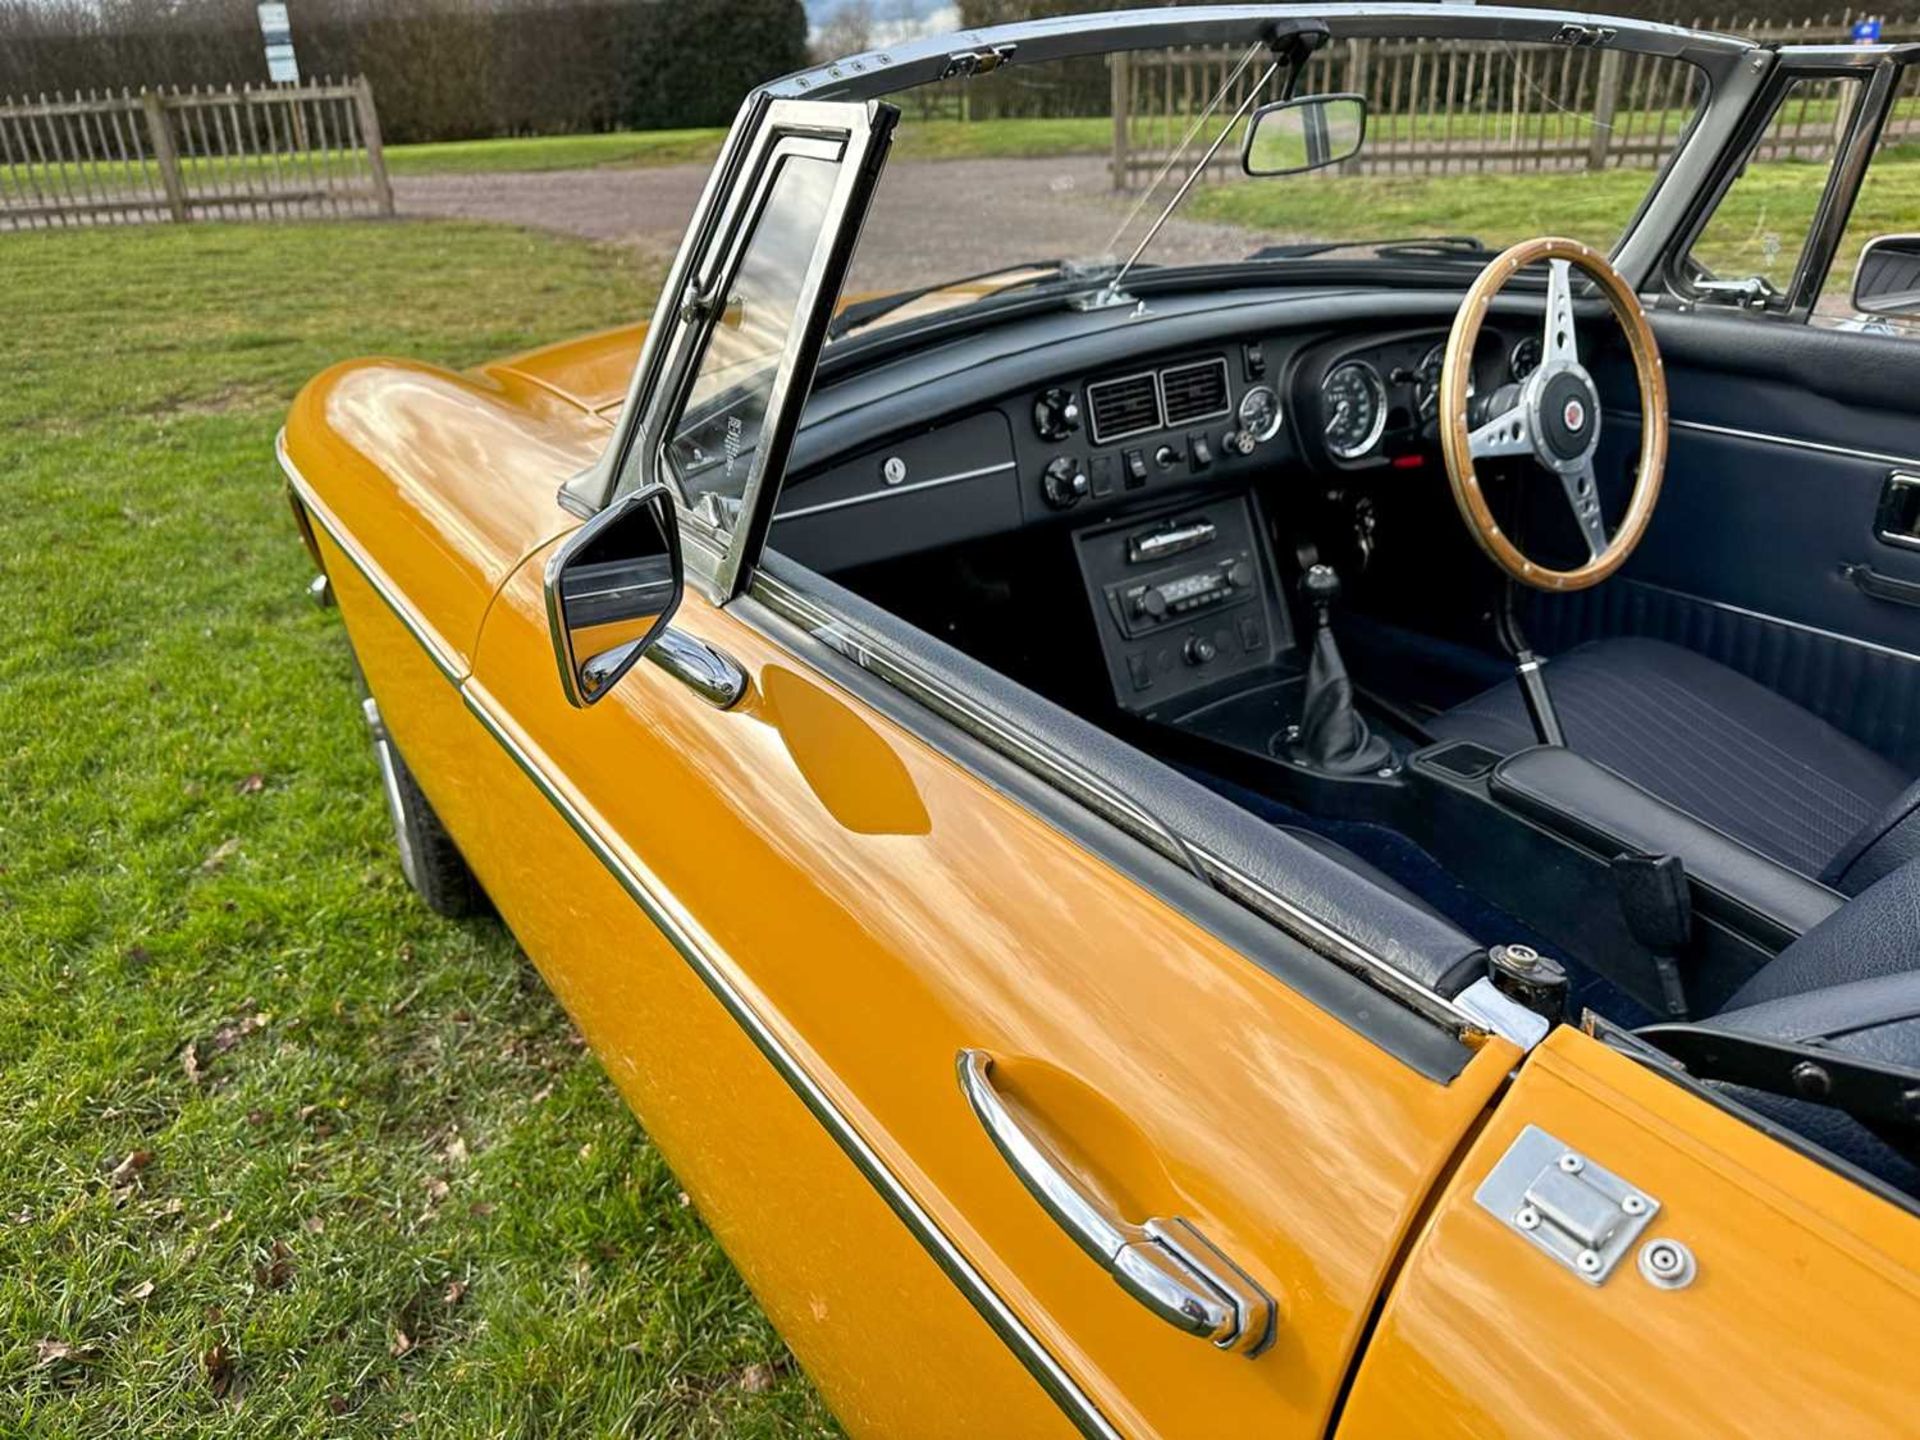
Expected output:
(429, 859)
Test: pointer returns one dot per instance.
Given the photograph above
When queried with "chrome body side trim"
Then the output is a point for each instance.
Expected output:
(1077, 782)
(870, 496)
(444, 660)
(1047, 1372)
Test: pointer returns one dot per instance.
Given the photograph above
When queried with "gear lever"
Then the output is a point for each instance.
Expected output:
(1334, 738)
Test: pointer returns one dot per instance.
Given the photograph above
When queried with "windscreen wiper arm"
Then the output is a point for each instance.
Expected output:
(1411, 245)
(865, 312)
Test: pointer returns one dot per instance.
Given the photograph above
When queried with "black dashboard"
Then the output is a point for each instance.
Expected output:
(1164, 464)
(1078, 417)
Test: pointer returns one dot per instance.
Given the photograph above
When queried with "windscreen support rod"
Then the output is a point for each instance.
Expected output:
(1111, 292)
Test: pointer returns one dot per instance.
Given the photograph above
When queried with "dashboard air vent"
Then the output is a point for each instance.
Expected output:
(1195, 392)
(1123, 407)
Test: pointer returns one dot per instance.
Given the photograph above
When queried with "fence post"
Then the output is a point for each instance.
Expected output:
(1606, 99)
(1359, 66)
(370, 133)
(160, 133)
(1119, 65)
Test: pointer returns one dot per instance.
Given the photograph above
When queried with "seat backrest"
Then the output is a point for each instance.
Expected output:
(1883, 845)
(1875, 934)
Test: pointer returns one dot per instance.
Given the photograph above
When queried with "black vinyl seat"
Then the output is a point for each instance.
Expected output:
(1850, 985)
(1732, 753)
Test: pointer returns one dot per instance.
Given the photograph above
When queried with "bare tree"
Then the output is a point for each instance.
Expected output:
(847, 31)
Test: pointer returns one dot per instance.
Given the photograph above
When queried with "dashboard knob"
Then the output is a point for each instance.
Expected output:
(1151, 603)
(1240, 574)
(1056, 414)
(1064, 483)
(1200, 650)
(1239, 442)
(1165, 457)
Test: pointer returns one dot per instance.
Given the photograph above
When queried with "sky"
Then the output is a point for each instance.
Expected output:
(894, 20)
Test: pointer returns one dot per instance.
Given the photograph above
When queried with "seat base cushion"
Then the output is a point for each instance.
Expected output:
(1729, 751)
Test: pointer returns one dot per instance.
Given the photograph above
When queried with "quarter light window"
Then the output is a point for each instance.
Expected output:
(1751, 248)
(713, 443)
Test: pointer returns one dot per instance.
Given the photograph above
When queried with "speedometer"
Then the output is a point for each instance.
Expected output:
(1353, 409)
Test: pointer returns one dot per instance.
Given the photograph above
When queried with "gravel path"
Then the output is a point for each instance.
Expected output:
(933, 220)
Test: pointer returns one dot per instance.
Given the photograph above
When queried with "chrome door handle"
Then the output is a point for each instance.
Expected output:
(1167, 1265)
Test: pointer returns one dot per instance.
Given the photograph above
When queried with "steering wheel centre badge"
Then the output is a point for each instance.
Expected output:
(1575, 415)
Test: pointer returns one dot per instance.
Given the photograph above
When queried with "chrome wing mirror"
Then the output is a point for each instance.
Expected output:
(1887, 279)
(1309, 133)
(611, 589)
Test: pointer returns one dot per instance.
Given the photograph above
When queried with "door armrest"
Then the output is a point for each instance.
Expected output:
(1598, 810)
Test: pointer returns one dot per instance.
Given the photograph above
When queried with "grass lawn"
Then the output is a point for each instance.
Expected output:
(1776, 198)
(281, 1153)
(916, 139)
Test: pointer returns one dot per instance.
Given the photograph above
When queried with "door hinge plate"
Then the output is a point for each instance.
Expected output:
(1582, 1214)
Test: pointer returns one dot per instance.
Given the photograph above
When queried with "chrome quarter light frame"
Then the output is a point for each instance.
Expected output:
(630, 597)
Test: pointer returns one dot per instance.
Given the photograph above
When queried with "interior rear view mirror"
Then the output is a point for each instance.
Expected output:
(611, 590)
(1290, 136)
(1887, 279)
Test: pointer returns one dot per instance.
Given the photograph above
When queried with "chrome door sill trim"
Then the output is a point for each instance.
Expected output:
(443, 659)
(870, 496)
(1078, 783)
(1034, 1357)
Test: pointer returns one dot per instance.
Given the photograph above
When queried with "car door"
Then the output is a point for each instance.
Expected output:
(1779, 546)
(1153, 1158)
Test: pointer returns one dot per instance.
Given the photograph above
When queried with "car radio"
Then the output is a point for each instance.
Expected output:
(1182, 599)
(1143, 606)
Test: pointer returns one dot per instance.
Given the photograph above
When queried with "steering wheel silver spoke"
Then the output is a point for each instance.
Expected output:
(1557, 343)
(1583, 495)
(1508, 433)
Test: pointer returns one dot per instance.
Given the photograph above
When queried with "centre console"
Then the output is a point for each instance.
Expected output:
(1185, 601)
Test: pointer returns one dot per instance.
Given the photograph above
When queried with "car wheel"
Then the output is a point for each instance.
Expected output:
(429, 859)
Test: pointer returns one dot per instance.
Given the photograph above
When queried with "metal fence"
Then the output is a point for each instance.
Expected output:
(1449, 106)
(176, 155)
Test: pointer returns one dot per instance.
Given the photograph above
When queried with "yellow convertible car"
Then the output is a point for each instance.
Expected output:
(1303, 823)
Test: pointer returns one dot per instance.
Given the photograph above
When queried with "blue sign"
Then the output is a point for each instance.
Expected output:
(1866, 32)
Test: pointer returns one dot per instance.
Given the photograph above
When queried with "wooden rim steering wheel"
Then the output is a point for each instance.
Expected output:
(1555, 415)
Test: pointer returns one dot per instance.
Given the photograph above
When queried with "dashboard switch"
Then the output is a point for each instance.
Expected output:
(1100, 469)
(1056, 414)
(1253, 360)
(1136, 462)
(1200, 650)
(1064, 483)
(1199, 450)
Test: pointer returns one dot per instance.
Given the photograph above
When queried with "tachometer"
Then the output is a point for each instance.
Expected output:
(1260, 412)
(1427, 381)
(1524, 358)
(1353, 409)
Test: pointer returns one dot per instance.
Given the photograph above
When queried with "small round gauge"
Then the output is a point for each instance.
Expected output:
(1353, 408)
(1260, 412)
(1524, 358)
(1427, 381)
